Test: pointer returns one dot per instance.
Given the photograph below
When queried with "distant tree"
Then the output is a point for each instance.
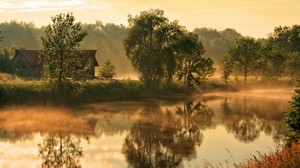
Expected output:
(192, 67)
(108, 70)
(287, 41)
(20, 34)
(60, 56)
(293, 117)
(1, 38)
(242, 57)
(216, 43)
(109, 39)
(270, 64)
(292, 65)
(148, 46)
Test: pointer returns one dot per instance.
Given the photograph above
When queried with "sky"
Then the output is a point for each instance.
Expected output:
(254, 18)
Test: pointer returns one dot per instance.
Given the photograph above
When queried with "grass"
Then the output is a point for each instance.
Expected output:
(288, 157)
(14, 90)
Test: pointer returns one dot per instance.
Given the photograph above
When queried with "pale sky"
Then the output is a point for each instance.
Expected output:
(255, 18)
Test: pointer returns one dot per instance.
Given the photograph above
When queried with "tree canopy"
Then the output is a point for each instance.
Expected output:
(293, 117)
(159, 50)
(242, 58)
(192, 67)
(148, 45)
(60, 57)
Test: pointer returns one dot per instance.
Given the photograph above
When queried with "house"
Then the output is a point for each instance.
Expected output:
(25, 63)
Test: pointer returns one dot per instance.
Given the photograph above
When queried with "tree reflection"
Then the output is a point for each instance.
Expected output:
(60, 150)
(246, 119)
(164, 137)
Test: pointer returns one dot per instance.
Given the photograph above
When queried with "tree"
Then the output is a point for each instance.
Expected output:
(60, 57)
(242, 57)
(20, 34)
(216, 43)
(108, 70)
(109, 39)
(270, 64)
(293, 117)
(148, 46)
(191, 66)
(287, 41)
(292, 65)
(1, 38)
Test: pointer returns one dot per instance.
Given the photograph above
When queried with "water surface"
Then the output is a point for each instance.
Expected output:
(191, 132)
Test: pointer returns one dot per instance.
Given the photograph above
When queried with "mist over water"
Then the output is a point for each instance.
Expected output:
(212, 127)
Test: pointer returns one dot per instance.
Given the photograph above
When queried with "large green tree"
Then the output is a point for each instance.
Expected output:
(60, 56)
(192, 67)
(242, 58)
(293, 117)
(270, 64)
(148, 46)
(287, 41)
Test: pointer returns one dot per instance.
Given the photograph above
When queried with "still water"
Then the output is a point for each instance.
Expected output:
(191, 132)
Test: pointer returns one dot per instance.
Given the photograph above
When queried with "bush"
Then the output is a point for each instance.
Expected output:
(293, 117)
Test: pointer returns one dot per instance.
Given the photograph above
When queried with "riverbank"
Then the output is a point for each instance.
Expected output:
(18, 91)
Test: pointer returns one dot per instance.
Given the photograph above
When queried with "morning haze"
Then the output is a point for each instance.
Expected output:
(147, 84)
(219, 14)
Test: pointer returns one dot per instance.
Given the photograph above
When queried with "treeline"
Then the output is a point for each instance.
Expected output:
(107, 39)
(270, 59)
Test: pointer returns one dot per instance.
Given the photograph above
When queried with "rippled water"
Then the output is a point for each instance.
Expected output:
(208, 129)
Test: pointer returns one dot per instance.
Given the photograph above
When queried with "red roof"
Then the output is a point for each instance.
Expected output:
(31, 56)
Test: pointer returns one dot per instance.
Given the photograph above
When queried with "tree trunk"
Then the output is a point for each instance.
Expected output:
(245, 74)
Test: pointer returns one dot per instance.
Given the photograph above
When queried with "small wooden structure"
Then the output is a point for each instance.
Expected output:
(25, 63)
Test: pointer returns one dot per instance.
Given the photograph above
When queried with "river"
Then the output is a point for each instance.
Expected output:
(210, 129)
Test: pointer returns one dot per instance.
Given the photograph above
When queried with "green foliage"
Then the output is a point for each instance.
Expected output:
(287, 41)
(108, 38)
(191, 66)
(293, 117)
(216, 43)
(60, 56)
(1, 38)
(271, 63)
(159, 50)
(148, 46)
(108, 70)
(20, 34)
(243, 58)
(292, 65)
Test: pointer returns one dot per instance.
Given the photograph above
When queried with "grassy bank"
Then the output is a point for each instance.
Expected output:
(27, 92)
(14, 90)
(288, 157)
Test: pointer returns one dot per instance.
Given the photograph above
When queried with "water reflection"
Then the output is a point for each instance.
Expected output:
(148, 134)
(247, 118)
(60, 150)
(164, 137)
